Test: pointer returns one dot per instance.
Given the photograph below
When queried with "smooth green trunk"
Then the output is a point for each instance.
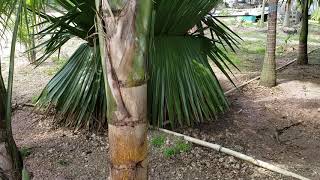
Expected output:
(268, 75)
(303, 40)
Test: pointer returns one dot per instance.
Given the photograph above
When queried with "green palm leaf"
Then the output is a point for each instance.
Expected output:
(182, 89)
(77, 91)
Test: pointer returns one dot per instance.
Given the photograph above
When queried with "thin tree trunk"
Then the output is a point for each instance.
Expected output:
(268, 75)
(262, 13)
(286, 22)
(127, 25)
(303, 40)
(5, 158)
(9, 151)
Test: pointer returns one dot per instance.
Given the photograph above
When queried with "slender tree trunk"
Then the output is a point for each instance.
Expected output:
(10, 159)
(5, 158)
(127, 25)
(262, 13)
(286, 22)
(10, 156)
(303, 40)
(268, 75)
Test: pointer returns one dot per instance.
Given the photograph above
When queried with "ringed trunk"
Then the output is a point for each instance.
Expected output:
(127, 25)
(268, 75)
(303, 40)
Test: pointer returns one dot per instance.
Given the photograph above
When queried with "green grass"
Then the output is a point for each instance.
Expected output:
(179, 146)
(169, 152)
(158, 141)
(63, 162)
(25, 152)
(253, 47)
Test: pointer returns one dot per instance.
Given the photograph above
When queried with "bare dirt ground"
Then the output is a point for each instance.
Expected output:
(255, 125)
(279, 125)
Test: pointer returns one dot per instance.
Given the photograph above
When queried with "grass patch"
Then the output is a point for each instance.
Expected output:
(169, 152)
(179, 146)
(25, 152)
(254, 47)
(158, 141)
(63, 162)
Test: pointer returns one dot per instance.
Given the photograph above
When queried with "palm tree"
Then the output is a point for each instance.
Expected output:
(124, 50)
(303, 40)
(157, 49)
(11, 164)
(286, 22)
(262, 13)
(124, 43)
(268, 75)
(76, 90)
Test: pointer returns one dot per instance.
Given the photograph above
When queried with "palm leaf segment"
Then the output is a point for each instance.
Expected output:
(182, 88)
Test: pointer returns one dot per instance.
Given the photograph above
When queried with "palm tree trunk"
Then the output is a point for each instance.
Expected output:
(5, 158)
(262, 13)
(268, 75)
(10, 155)
(303, 40)
(286, 22)
(126, 50)
(10, 159)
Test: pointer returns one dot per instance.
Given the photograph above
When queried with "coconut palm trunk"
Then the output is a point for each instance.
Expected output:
(286, 22)
(303, 40)
(127, 25)
(268, 75)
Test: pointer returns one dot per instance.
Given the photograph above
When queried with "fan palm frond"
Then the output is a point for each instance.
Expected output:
(77, 91)
(182, 88)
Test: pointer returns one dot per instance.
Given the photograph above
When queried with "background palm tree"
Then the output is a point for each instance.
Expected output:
(268, 75)
(303, 40)
(287, 16)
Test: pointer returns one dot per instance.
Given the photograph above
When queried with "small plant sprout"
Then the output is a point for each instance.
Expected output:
(158, 141)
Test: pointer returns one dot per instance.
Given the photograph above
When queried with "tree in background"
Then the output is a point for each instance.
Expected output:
(286, 22)
(262, 12)
(268, 75)
(303, 39)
